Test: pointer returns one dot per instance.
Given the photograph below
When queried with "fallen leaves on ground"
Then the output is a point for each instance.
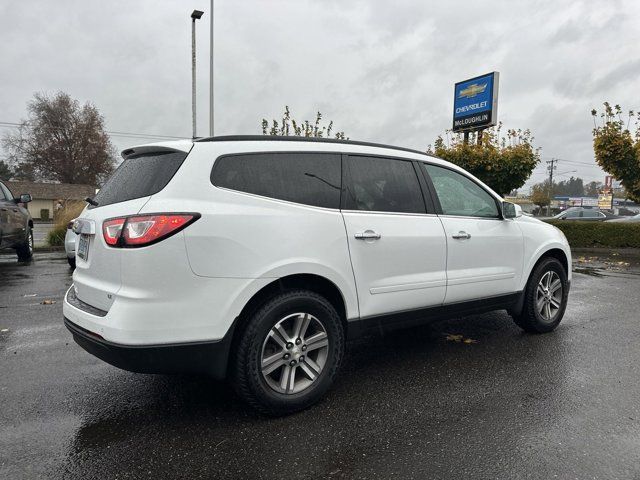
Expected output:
(450, 337)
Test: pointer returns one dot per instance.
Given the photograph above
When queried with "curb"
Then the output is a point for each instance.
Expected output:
(48, 249)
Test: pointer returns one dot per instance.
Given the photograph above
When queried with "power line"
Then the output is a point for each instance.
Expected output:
(110, 132)
(578, 162)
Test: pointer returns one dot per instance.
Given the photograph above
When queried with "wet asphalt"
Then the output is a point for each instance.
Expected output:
(412, 404)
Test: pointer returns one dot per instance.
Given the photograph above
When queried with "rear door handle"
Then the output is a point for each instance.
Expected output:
(461, 235)
(367, 235)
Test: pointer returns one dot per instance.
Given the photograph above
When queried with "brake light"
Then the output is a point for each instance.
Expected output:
(142, 230)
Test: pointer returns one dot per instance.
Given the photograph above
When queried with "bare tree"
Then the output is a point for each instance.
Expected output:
(62, 141)
(290, 127)
(5, 171)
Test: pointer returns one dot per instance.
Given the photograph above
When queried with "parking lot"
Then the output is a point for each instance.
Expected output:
(412, 404)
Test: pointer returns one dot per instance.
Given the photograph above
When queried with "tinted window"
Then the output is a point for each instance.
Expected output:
(140, 176)
(592, 214)
(5, 194)
(308, 178)
(459, 195)
(573, 214)
(383, 185)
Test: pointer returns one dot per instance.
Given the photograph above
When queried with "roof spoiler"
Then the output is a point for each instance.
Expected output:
(177, 146)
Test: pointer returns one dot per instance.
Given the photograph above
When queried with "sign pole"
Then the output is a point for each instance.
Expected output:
(466, 137)
(479, 139)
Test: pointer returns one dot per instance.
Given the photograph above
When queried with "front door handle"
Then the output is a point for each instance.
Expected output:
(367, 235)
(461, 235)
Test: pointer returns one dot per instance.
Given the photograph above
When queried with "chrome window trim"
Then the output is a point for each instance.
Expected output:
(469, 217)
(377, 212)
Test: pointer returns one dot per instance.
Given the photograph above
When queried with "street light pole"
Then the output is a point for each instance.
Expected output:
(211, 71)
(195, 15)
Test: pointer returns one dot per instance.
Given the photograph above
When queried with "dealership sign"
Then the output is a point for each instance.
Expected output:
(475, 103)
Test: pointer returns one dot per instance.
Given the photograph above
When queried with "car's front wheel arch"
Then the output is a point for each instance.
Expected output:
(556, 253)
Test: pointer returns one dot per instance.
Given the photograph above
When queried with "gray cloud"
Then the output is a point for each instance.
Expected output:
(383, 71)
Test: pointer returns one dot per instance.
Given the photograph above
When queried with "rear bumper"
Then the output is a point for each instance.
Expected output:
(209, 357)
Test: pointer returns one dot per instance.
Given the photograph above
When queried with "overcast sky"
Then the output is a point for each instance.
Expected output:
(382, 70)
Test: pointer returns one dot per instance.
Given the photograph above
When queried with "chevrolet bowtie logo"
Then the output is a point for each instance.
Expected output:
(472, 90)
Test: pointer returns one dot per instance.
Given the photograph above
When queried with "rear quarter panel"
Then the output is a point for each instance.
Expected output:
(244, 236)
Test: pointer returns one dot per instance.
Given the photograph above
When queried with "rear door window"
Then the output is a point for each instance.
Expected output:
(140, 176)
(307, 178)
(383, 185)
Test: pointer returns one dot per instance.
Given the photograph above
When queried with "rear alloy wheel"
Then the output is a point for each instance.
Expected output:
(294, 353)
(289, 353)
(545, 298)
(25, 251)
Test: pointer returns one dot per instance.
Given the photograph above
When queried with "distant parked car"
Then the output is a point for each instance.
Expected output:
(16, 224)
(584, 214)
(632, 219)
(70, 239)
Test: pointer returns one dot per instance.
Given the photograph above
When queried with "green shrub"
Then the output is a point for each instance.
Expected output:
(44, 214)
(69, 212)
(55, 237)
(600, 234)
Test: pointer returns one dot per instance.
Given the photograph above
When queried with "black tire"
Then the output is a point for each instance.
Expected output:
(246, 373)
(25, 251)
(72, 262)
(531, 319)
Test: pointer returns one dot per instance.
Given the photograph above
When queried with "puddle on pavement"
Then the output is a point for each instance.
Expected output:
(589, 271)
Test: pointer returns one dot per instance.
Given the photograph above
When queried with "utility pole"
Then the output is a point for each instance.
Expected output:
(551, 166)
(211, 72)
(195, 15)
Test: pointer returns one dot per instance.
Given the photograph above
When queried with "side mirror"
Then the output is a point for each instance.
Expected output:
(24, 198)
(518, 210)
(511, 210)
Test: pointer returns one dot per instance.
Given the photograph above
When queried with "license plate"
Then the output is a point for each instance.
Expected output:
(83, 247)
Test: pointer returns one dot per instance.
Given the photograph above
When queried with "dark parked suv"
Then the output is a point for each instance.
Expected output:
(16, 225)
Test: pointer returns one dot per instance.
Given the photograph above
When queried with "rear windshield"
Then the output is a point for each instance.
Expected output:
(140, 176)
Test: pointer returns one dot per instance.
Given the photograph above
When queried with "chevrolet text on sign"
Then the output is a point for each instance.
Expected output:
(475, 103)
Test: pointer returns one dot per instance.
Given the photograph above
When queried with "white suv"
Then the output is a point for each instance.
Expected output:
(254, 258)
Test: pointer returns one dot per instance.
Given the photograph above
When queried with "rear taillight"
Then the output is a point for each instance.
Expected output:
(142, 230)
(111, 230)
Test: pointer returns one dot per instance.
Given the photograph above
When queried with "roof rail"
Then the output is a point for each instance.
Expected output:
(278, 138)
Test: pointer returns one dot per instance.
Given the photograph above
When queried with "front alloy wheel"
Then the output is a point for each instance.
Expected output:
(545, 297)
(549, 296)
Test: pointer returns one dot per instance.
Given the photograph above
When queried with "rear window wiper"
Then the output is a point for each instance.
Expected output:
(91, 201)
